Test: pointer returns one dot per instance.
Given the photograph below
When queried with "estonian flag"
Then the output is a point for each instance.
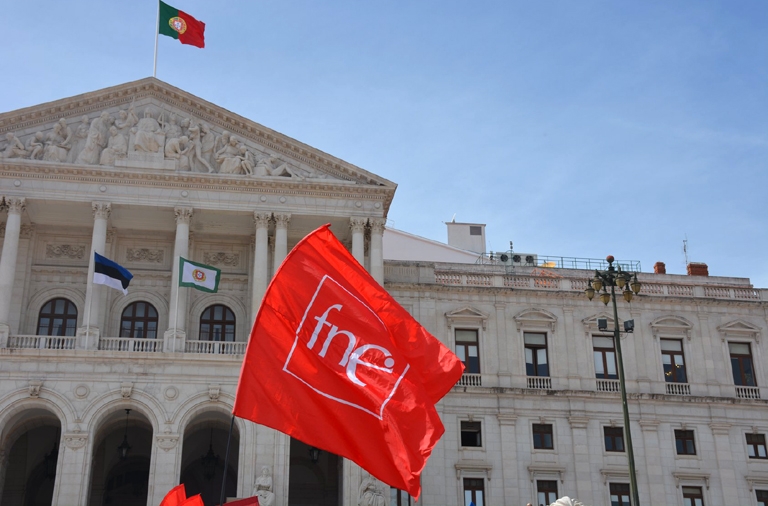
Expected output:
(107, 272)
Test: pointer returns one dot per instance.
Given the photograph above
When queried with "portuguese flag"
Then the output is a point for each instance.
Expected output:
(180, 25)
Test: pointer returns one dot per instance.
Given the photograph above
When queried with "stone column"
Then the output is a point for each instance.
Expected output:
(377, 249)
(175, 336)
(8, 263)
(260, 260)
(166, 466)
(281, 238)
(357, 225)
(89, 332)
(72, 486)
(510, 472)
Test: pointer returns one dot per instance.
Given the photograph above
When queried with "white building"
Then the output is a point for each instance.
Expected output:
(538, 411)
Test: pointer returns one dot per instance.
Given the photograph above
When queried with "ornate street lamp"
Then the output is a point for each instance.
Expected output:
(124, 447)
(210, 461)
(314, 454)
(629, 286)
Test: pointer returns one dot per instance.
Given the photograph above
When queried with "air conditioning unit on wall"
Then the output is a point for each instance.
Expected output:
(512, 259)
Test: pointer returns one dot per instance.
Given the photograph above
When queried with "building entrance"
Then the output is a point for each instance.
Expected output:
(314, 477)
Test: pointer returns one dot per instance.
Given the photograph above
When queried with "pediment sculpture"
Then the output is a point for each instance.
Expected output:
(152, 138)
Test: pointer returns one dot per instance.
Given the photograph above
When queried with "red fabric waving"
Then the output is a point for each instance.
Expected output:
(334, 361)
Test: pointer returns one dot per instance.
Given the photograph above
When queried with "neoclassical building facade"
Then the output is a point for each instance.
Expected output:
(108, 398)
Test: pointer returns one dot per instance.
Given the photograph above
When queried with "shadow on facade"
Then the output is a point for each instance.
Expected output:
(202, 457)
(313, 483)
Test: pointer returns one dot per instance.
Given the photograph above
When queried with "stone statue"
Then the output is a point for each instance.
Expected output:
(371, 492)
(247, 162)
(59, 142)
(272, 165)
(185, 126)
(221, 142)
(117, 147)
(176, 149)
(196, 150)
(171, 128)
(263, 488)
(14, 149)
(125, 121)
(228, 157)
(208, 139)
(96, 141)
(35, 146)
(78, 139)
(145, 139)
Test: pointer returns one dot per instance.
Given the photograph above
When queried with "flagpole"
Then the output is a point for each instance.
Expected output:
(88, 317)
(176, 318)
(226, 459)
(157, 36)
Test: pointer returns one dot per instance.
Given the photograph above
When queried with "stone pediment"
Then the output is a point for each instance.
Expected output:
(739, 329)
(535, 318)
(671, 326)
(467, 315)
(149, 125)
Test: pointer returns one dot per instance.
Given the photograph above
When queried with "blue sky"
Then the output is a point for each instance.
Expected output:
(571, 128)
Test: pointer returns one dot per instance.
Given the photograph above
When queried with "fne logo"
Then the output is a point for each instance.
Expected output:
(342, 343)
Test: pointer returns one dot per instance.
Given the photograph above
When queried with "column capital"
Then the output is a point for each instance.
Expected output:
(260, 219)
(101, 210)
(183, 215)
(357, 224)
(378, 225)
(282, 220)
(15, 205)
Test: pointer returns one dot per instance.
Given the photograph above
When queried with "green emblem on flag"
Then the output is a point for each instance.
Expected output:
(200, 276)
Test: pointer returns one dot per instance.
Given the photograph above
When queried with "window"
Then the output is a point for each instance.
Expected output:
(542, 436)
(762, 497)
(673, 361)
(58, 317)
(474, 491)
(217, 324)
(536, 363)
(741, 364)
(756, 446)
(619, 494)
(475, 230)
(546, 491)
(692, 496)
(467, 350)
(614, 439)
(684, 442)
(139, 320)
(471, 434)
(399, 497)
(605, 357)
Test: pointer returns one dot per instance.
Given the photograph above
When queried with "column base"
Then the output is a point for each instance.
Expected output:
(88, 338)
(174, 341)
(5, 332)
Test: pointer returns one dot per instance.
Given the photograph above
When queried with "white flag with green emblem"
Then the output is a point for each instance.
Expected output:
(200, 276)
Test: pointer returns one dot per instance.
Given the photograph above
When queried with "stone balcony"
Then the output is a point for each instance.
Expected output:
(125, 344)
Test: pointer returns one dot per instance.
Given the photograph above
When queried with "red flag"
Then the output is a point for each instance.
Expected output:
(334, 361)
(175, 497)
(248, 501)
(195, 500)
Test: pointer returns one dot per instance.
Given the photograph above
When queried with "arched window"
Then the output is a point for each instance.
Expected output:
(58, 317)
(139, 320)
(217, 323)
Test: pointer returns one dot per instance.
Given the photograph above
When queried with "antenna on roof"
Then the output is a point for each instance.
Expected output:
(685, 249)
(453, 220)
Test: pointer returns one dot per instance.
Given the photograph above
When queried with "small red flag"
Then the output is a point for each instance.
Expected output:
(334, 361)
(195, 500)
(248, 501)
(175, 497)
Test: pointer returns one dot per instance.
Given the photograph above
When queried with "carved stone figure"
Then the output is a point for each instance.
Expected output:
(176, 149)
(228, 157)
(263, 488)
(207, 139)
(35, 146)
(196, 150)
(274, 166)
(185, 126)
(221, 142)
(96, 141)
(171, 128)
(371, 493)
(145, 139)
(117, 147)
(246, 160)
(58, 143)
(125, 121)
(78, 139)
(14, 149)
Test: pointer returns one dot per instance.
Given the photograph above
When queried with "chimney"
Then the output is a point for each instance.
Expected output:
(698, 269)
(659, 268)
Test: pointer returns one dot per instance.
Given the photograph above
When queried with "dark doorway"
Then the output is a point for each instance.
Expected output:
(202, 458)
(31, 467)
(313, 483)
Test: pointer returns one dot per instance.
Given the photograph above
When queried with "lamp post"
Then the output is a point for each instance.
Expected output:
(629, 286)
